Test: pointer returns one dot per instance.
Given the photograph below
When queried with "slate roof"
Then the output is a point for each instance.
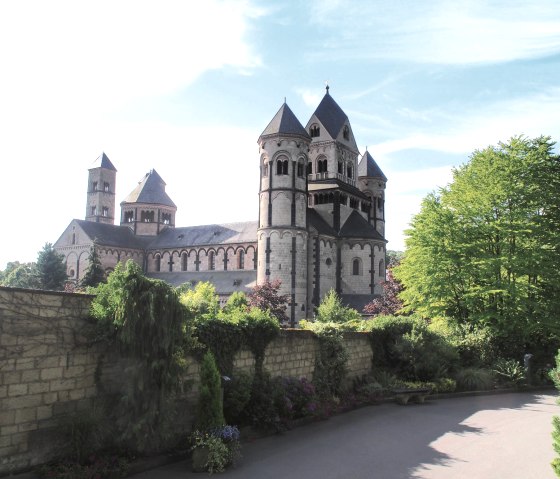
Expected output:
(206, 235)
(336, 184)
(357, 301)
(331, 115)
(314, 220)
(356, 226)
(226, 282)
(103, 161)
(368, 167)
(285, 123)
(113, 235)
(150, 190)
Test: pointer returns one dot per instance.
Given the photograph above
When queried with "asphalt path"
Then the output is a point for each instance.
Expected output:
(480, 437)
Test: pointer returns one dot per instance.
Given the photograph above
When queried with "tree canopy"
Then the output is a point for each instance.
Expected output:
(50, 269)
(95, 273)
(485, 250)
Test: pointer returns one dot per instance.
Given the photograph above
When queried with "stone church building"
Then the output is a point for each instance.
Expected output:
(321, 221)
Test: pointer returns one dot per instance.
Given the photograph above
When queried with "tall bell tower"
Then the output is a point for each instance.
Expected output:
(100, 207)
(282, 230)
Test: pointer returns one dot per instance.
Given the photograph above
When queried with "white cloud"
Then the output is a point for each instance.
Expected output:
(310, 97)
(439, 31)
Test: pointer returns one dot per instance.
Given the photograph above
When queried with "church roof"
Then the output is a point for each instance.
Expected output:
(330, 115)
(226, 282)
(356, 226)
(368, 167)
(245, 232)
(314, 220)
(285, 123)
(112, 235)
(103, 161)
(150, 190)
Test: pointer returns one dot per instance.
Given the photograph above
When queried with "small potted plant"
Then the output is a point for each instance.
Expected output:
(214, 450)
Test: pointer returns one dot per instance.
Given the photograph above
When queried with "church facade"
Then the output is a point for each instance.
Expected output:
(321, 221)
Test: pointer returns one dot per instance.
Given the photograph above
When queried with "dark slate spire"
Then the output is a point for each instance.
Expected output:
(103, 161)
(368, 167)
(150, 190)
(330, 115)
(285, 123)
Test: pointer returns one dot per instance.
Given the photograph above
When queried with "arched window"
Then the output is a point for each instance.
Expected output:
(309, 168)
(265, 168)
(128, 216)
(346, 132)
(211, 261)
(241, 260)
(314, 131)
(166, 218)
(381, 268)
(356, 267)
(282, 167)
(184, 261)
(158, 263)
(349, 171)
(73, 238)
(340, 168)
(322, 166)
(300, 168)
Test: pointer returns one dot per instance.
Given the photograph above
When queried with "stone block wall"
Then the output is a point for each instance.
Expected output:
(49, 369)
(45, 371)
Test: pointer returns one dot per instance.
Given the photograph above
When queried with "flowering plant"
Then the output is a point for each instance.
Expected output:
(215, 449)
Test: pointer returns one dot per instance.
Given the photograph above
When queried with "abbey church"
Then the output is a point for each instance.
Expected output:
(321, 221)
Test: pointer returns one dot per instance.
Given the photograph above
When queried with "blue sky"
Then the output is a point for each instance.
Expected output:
(187, 87)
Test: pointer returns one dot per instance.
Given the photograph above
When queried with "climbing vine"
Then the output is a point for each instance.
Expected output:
(149, 324)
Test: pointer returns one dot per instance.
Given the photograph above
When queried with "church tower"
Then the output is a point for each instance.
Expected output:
(282, 229)
(100, 207)
(372, 182)
(148, 210)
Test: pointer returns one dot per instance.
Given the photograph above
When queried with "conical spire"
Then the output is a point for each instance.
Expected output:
(285, 123)
(330, 115)
(150, 190)
(103, 161)
(368, 167)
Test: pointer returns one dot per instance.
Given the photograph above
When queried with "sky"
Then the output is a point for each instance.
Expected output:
(186, 88)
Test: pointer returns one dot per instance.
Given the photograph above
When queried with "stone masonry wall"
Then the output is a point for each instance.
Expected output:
(48, 369)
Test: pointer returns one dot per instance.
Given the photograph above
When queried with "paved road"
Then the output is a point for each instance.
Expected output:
(484, 437)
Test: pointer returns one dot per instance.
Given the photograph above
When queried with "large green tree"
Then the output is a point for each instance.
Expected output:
(19, 275)
(50, 269)
(95, 273)
(486, 250)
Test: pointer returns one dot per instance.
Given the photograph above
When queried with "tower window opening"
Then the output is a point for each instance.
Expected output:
(356, 267)
(346, 133)
(300, 168)
(211, 261)
(166, 218)
(314, 131)
(340, 168)
(73, 238)
(349, 171)
(129, 216)
(94, 210)
(282, 167)
(105, 212)
(106, 187)
(265, 168)
(94, 186)
(322, 166)
(354, 203)
(147, 216)
(381, 268)
(309, 168)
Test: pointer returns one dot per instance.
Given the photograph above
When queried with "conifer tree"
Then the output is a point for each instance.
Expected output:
(50, 269)
(94, 273)
(210, 409)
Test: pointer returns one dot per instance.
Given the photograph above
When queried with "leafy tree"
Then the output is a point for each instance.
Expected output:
(266, 296)
(237, 300)
(485, 250)
(202, 300)
(19, 275)
(394, 258)
(95, 273)
(390, 302)
(50, 269)
(331, 310)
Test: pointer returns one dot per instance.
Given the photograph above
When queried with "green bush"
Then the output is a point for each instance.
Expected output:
(237, 393)
(474, 379)
(330, 363)
(210, 409)
(407, 347)
(509, 372)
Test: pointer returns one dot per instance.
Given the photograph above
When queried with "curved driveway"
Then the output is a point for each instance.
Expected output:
(481, 437)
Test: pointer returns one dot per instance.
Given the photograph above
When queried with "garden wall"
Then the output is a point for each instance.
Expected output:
(49, 368)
